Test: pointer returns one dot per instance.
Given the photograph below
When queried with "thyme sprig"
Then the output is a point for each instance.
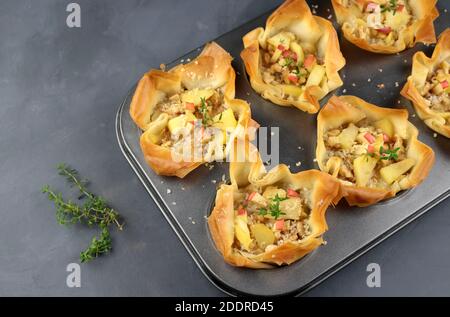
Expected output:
(93, 211)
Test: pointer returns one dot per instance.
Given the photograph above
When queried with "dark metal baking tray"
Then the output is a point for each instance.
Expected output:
(186, 203)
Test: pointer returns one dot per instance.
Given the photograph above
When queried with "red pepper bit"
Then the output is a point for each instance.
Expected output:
(444, 84)
(292, 193)
(369, 137)
(386, 30)
(279, 224)
(281, 47)
(241, 211)
(293, 78)
(370, 149)
(386, 138)
(190, 106)
(400, 7)
(250, 196)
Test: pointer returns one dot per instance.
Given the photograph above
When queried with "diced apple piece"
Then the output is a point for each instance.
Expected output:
(317, 73)
(263, 235)
(363, 167)
(392, 172)
(386, 126)
(291, 207)
(283, 38)
(258, 199)
(292, 90)
(396, 20)
(276, 55)
(272, 191)
(297, 49)
(379, 142)
(225, 120)
(241, 231)
(179, 122)
(348, 136)
(195, 95)
(156, 127)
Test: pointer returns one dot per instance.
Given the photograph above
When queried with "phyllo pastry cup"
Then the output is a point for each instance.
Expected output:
(263, 220)
(428, 87)
(373, 151)
(188, 114)
(295, 60)
(386, 26)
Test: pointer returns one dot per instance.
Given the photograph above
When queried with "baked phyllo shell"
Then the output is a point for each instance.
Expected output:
(246, 243)
(380, 144)
(312, 34)
(210, 75)
(424, 81)
(409, 22)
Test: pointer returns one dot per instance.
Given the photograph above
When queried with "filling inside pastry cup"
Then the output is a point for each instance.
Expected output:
(373, 151)
(295, 60)
(264, 220)
(387, 26)
(428, 87)
(189, 115)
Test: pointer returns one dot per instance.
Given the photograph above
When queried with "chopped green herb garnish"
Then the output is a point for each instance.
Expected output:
(391, 6)
(389, 154)
(288, 61)
(206, 119)
(274, 207)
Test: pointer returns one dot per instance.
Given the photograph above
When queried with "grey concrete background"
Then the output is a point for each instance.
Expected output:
(59, 91)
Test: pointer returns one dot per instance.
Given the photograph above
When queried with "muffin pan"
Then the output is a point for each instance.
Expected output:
(186, 203)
